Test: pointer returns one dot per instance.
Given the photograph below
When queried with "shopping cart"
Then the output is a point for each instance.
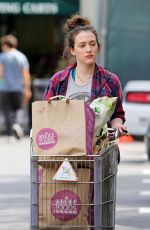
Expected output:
(86, 203)
(101, 198)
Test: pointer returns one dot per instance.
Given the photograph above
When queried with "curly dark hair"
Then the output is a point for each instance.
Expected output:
(73, 26)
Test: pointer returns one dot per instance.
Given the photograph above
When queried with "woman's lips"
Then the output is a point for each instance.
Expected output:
(89, 56)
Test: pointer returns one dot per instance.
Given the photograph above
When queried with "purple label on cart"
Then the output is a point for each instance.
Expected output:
(65, 205)
(46, 138)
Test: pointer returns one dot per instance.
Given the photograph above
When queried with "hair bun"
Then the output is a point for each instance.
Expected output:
(74, 21)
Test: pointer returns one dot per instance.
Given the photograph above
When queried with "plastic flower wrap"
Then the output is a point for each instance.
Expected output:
(103, 108)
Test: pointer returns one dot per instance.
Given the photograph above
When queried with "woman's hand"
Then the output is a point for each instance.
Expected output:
(118, 124)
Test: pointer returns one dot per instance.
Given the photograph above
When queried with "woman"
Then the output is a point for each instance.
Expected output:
(81, 42)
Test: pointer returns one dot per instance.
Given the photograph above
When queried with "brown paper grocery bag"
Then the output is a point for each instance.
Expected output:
(64, 204)
(61, 128)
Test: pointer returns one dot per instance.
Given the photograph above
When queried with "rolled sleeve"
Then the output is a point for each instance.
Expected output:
(119, 111)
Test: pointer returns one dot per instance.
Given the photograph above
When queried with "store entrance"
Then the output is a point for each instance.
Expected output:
(40, 38)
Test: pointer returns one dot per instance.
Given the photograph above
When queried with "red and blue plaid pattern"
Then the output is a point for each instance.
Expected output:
(104, 83)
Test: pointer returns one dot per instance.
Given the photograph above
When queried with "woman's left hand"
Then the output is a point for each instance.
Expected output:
(122, 130)
(117, 123)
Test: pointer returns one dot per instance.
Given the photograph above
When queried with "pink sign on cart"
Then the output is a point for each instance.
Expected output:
(65, 205)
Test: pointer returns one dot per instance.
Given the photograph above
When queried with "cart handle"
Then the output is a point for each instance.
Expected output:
(114, 134)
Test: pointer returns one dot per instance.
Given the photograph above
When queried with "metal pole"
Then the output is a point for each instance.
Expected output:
(104, 31)
(98, 11)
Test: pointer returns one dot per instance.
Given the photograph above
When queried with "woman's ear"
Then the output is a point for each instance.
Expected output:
(72, 52)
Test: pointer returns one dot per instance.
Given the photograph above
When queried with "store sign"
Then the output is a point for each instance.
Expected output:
(40, 8)
(29, 8)
(10, 8)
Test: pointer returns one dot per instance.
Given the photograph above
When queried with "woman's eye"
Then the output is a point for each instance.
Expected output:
(82, 45)
(93, 44)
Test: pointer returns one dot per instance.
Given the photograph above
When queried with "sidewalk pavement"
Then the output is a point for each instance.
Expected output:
(121, 227)
(14, 184)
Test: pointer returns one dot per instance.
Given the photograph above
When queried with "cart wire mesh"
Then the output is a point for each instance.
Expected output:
(88, 203)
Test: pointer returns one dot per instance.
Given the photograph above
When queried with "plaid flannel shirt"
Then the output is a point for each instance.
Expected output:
(104, 83)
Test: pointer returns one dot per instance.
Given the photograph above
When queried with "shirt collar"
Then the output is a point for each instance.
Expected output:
(99, 71)
(65, 74)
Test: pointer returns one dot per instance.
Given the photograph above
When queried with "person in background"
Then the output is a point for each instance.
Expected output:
(15, 87)
(81, 42)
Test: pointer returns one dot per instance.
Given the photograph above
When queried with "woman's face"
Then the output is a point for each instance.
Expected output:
(85, 47)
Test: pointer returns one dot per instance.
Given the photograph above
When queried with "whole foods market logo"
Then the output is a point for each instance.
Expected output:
(28, 7)
(46, 138)
(65, 205)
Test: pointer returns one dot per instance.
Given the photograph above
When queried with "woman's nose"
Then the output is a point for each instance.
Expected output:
(88, 48)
